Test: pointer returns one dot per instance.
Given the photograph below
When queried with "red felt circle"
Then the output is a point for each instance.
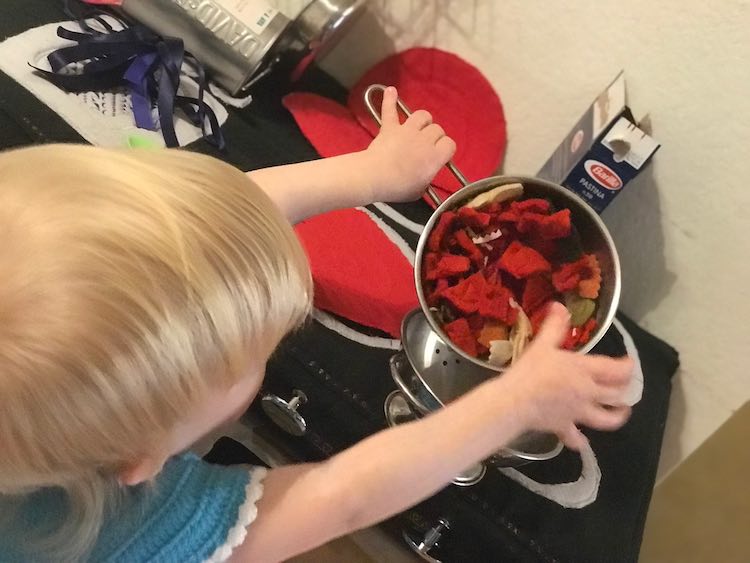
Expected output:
(459, 98)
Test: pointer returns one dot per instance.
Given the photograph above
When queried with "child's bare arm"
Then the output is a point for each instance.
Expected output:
(397, 166)
(307, 505)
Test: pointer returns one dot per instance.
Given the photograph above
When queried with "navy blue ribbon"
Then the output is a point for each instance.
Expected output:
(148, 65)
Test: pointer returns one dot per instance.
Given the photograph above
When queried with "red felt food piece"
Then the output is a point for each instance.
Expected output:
(569, 275)
(537, 291)
(571, 340)
(351, 283)
(578, 336)
(431, 260)
(466, 244)
(473, 218)
(433, 297)
(589, 287)
(491, 208)
(467, 295)
(557, 225)
(533, 205)
(476, 322)
(448, 266)
(496, 305)
(586, 331)
(459, 98)
(547, 248)
(546, 227)
(439, 231)
(461, 335)
(509, 216)
(522, 261)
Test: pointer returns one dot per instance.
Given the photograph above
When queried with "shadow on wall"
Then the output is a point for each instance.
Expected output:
(366, 44)
(417, 23)
(635, 221)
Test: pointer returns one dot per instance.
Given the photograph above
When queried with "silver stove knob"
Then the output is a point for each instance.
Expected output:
(284, 413)
(431, 539)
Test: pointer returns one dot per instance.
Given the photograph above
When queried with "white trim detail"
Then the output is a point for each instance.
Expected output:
(394, 237)
(337, 326)
(635, 390)
(585, 489)
(248, 512)
(575, 494)
(397, 217)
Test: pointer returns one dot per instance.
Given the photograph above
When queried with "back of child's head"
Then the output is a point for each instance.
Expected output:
(130, 282)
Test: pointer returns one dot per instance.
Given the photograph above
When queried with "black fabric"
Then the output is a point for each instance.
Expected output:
(227, 451)
(347, 383)
(497, 517)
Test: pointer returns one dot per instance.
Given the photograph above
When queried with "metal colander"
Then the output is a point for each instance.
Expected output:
(430, 374)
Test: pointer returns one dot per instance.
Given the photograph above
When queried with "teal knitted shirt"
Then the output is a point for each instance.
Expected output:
(194, 511)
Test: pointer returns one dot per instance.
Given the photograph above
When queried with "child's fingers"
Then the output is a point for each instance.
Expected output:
(606, 418)
(610, 395)
(446, 148)
(555, 326)
(389, 109)
(573, 438)
(610, 371)
(433, 132)
(419, 119)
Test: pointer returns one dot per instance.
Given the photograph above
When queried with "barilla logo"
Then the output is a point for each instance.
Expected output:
(603, 175)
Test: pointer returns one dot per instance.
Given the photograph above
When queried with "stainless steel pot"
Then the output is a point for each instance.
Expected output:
(317, 29)
(433, 382)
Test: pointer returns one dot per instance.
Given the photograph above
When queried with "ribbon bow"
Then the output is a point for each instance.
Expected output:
(147, 65)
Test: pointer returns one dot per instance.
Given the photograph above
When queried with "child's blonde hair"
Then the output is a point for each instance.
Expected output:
(130, 282)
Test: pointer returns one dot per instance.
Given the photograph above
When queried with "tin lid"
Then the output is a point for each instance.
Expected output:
(316, 30)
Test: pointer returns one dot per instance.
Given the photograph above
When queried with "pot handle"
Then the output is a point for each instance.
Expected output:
(406, 111)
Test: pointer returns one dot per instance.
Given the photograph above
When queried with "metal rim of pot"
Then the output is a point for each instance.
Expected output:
(470, 190)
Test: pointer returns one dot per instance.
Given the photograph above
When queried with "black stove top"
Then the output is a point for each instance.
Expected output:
(563, 509)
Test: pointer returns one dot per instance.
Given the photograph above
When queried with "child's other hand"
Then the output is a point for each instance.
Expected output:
(558, 389)
(404, 158)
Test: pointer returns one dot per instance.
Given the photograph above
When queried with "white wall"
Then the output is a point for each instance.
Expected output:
(679, 227)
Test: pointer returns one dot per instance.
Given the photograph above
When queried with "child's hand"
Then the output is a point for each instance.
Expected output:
(559, 389)
(404, 158)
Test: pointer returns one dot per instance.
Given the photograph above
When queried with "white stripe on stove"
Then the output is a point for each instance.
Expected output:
(585, 489)
(397, 217)
(392, 235)
(575, 494)
(635, 389)
(337, 326)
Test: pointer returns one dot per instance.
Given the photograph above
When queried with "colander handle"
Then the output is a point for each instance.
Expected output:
(397, 360)
(407, 112)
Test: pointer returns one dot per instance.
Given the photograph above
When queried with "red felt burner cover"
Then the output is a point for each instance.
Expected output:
(458, 96)
(359, 273)
(328, 125)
